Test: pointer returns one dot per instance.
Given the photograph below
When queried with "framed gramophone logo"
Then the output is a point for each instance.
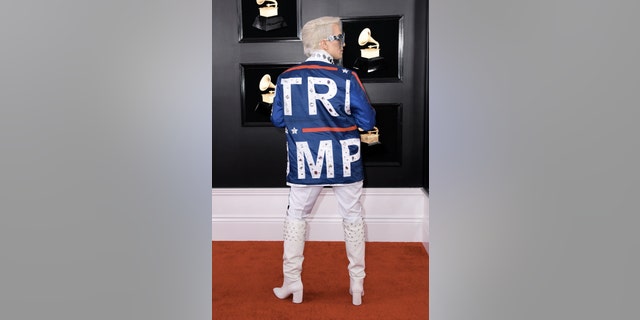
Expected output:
(373, 47)
(258, 91)
(269, 20)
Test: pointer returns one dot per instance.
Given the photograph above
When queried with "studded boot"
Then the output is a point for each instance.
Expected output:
(294, 237)
(354, 242)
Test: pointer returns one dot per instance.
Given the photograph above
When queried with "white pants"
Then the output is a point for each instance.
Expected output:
(302, 198)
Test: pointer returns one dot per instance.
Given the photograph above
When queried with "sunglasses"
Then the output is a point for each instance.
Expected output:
(339, 37)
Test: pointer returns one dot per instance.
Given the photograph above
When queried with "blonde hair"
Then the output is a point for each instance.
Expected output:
(317, 30)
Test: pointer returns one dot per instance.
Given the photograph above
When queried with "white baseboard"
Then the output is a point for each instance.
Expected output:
(425, 224)
(391, 214)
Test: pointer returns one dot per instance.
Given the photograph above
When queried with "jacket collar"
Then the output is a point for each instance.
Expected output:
(320, 55)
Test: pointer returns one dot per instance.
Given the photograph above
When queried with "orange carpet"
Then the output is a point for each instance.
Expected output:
(244, 272)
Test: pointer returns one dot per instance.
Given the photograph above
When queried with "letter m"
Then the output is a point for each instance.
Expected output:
(325, 151)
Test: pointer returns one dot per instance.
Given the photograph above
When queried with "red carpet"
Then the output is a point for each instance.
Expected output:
(244, 272)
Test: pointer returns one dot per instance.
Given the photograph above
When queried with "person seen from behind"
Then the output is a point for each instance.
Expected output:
(321, 106)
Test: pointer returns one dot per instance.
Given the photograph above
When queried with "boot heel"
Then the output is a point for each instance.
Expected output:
(356, 298)
(297, 297)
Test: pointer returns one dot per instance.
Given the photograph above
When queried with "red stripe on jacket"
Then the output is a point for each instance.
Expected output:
(332, 129)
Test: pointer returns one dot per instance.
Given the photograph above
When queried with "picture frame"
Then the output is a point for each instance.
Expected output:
(388, 152)
(256, 89)
(374, 47)
(269, 20)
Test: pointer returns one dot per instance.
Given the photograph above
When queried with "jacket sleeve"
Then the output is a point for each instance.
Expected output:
(361, 109)
(277, 108)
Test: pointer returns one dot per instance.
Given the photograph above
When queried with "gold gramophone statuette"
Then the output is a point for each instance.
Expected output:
(268, 18)
(371, 137)
(369, 59)
(264, 85)
(372, 50)
(270, 10)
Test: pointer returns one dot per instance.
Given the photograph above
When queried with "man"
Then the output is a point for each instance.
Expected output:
(321, 106)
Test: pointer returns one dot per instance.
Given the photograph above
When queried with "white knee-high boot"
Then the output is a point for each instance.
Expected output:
(354, 242)
(294, 236)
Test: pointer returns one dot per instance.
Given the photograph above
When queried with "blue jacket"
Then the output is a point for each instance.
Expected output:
(321, 106)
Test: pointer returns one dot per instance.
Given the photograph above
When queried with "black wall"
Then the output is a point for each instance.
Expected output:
(256, 156)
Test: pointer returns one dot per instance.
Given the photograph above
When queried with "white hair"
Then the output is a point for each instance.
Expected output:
(317, 30)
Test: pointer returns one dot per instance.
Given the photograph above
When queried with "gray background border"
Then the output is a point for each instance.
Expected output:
(105, 139)
(533, 157)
